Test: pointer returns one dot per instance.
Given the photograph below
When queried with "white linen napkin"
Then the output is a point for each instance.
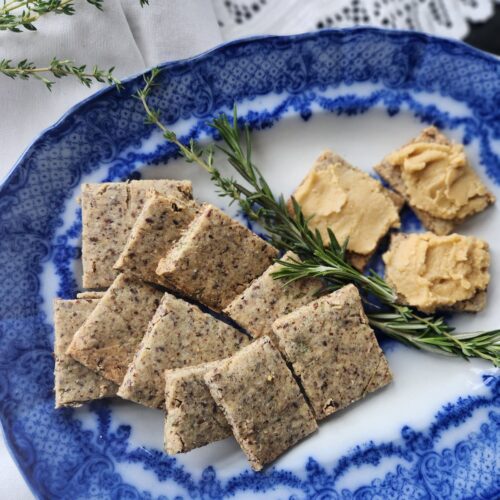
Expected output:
(124, 35)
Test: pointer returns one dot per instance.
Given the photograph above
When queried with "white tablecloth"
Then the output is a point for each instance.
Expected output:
(132, 39)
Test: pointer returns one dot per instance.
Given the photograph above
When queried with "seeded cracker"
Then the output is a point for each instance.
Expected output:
(433, 272)
(109, 211)
(90, 294)
(266, 299)
(74, 384)
(261, 402)
(337, 196)
(439, 183)
(158, 227)
(179, 335)
(108, 339)
(193, 419)
(215, 259)
(333, 351)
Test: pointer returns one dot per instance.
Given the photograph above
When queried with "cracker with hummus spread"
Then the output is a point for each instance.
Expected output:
(261, 401)
(158, 227)
(109, 211)
(433, 272)
(333, 351)
(348, 201)
(74, 383)
(434, 176)
(215, 259)
(192, 418)
(179, 335)
(266, 299)
(108, 339)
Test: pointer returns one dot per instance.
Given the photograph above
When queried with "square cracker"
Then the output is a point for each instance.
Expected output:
(158, 227)
(193, 419)
(109, 211)
(266, 299)
(475, 304)
(261, 401)
(392, 175)
(215, 259)
(108, 339)
(333, 351)
(179, 335)
(74, 383)
(90, 294)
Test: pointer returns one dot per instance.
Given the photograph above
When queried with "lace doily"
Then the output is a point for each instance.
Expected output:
(240, 18)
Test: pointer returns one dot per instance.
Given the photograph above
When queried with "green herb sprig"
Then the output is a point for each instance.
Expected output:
(21, 15)
(289, 230)
(57, 69)
(16, 15)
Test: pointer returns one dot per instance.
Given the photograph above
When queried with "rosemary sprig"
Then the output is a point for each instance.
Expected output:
(434, 334)
(261, 204)
(18, 14)
(289, 230)
(57, 68)
(192, 152)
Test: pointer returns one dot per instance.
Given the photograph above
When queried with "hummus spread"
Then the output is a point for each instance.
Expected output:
(349, 202)
(432, 272)
(439, 180)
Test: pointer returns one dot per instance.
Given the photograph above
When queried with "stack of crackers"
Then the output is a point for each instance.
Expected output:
(183, 314)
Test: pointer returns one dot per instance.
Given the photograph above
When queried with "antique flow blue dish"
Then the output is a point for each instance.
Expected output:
(361, 92)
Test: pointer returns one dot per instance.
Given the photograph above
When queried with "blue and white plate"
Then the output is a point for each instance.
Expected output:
(363, 92)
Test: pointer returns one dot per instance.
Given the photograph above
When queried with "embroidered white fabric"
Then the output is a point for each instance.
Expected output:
(450, 18)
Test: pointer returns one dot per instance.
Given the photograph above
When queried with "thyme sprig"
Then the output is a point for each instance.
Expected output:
(57, 68)
(16, 15)
(288, 229)
(21, 15)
